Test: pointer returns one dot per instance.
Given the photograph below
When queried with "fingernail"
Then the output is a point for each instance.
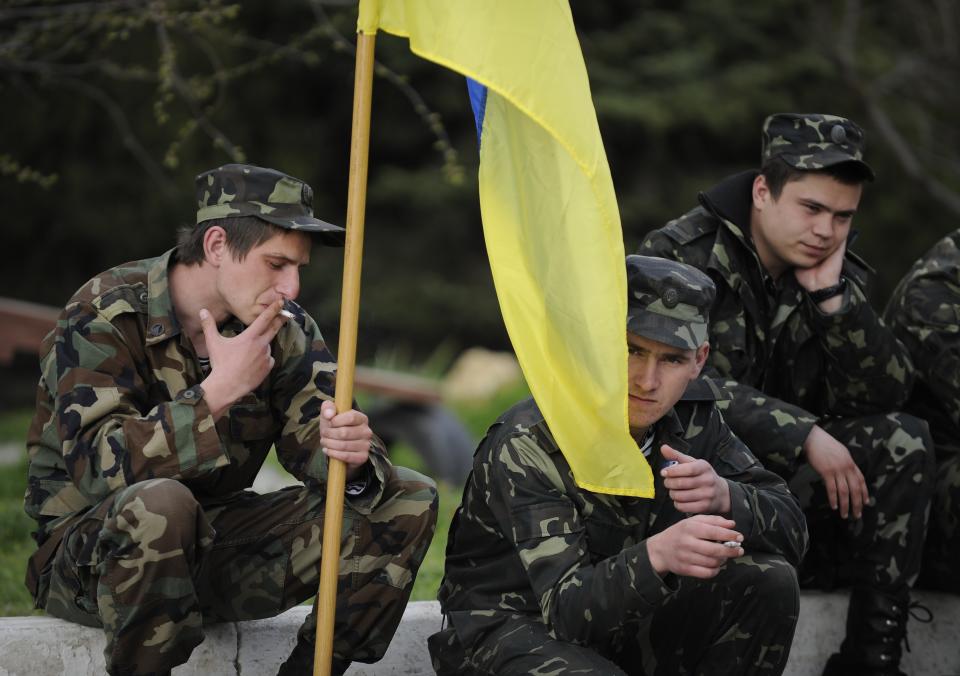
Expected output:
(204, 314)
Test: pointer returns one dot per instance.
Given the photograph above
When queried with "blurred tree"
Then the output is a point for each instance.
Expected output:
(113, 106)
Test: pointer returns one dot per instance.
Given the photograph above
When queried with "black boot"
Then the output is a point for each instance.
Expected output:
(876, 626)
(300, 662)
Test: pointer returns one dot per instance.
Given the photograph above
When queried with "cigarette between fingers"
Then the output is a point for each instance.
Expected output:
(732, 544)
(286, 313)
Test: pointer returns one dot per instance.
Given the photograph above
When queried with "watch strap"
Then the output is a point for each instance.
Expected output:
(828, 292)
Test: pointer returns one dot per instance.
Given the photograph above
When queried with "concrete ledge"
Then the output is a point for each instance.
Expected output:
(43, 646)
(46, 646)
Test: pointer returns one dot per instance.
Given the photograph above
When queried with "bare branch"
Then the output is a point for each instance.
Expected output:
(168, 58)
(847, 37)
(75, 8)
(908, 70)
(452, 167)
(129, 139)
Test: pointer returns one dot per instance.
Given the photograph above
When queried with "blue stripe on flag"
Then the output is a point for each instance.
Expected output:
(478, 101)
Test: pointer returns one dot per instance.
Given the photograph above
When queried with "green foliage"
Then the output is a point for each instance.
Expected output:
(13, 427)
(431, 570)
(14, 598)
(15, 528)
(478, 416)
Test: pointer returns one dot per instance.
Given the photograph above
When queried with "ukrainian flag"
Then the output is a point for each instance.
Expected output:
(550, 215)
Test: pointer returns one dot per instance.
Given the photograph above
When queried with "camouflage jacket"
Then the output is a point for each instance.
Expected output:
(116, 403)
(526, 540)
(784, 362)
(924, 312)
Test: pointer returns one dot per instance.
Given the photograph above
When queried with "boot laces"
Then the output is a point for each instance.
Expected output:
(919, 613)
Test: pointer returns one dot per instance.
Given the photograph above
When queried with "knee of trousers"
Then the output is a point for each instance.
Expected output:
(411, 498)
(907, 441)
(158, 512)
(769, 581)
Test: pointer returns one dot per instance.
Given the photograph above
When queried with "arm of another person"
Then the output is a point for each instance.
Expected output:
(926, 317)
(581, 601)
(764, 510)
(867, 370)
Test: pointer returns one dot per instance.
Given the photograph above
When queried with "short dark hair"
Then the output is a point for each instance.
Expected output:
(243, 234)
(778, 173)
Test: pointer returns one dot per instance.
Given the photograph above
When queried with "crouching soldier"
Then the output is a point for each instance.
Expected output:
(164, 385)
(543, 576)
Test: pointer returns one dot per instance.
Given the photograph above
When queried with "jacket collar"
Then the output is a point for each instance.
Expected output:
(162, 323)
(729, 201)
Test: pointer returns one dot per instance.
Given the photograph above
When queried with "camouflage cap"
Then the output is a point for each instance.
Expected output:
(814, 141)
(668, 301)
(247, 190)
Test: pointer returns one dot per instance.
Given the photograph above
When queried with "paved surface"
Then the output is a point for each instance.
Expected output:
(42, 646)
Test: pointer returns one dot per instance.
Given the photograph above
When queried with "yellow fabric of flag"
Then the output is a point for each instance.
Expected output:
(550, 216)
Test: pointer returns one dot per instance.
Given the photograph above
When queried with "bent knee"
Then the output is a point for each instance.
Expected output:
(905, 441)
(417, 492)
(771, 579)
(166, 503)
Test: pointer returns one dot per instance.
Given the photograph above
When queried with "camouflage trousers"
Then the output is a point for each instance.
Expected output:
(942, 551)
(152, 565)
(883, 549)
(740, 622)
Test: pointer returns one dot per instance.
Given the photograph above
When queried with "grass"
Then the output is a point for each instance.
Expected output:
(477, 417)
(431, 570)
(15, 525)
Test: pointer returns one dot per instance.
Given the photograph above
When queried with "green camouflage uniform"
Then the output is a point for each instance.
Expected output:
(924, 312)
(545, 577)
(788, 366)
(144, 523)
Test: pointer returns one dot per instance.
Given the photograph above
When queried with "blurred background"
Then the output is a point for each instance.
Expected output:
(109, 110)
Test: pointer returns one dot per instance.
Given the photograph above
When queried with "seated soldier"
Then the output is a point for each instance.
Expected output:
(165, 384)
(924, 313)
(816, 379)
(543, 576)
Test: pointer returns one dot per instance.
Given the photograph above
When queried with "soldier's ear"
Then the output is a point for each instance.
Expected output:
(761, 192)
(700, 359)
(215, 245)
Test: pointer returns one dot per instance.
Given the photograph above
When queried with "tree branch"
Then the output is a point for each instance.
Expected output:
(452, 167)
(129, 139)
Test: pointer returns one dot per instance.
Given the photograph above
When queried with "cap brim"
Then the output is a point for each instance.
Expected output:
(828, 159)
(328, 233)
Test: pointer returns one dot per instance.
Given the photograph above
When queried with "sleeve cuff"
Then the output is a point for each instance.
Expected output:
(652, 588)
(378, 469)
(740, 510)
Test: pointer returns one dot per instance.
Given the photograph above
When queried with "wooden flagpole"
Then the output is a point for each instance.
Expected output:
(347, 347)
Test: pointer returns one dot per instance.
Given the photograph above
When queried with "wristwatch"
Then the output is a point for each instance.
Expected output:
(823, 294)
